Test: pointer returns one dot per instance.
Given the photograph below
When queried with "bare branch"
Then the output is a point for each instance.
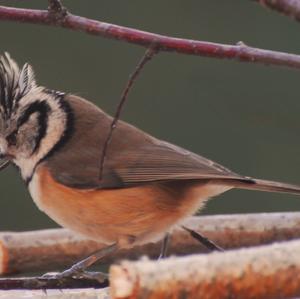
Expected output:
(50, 250)
(132, 78)
(270, 271)
(53, 249)
(290, 8)
(83, 293)
(239, 52)
(38, 283)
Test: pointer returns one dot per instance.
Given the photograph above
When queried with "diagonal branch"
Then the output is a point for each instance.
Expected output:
(239, 52)
(210, 245)
(290, 8)
(146, 57)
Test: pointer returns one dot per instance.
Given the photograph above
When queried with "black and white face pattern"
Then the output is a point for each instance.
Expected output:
(33, 120)
(25, 129)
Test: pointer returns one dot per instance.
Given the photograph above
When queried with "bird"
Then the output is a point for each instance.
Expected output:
(146, 188)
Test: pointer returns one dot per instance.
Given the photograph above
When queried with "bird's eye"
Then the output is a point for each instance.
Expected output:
(12, 138)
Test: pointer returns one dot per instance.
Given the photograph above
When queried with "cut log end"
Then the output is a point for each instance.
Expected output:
(4, 258)
(123, 284)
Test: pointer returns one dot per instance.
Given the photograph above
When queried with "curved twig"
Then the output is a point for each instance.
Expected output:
(240, 51)
(146, 57)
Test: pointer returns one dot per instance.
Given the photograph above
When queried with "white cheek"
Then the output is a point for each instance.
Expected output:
(27, 161)
(26, 166)
(21, 155)
(3, 146)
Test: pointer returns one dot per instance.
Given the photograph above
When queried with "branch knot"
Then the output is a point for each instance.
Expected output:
(57, 12)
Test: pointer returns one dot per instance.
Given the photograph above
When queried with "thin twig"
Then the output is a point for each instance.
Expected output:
(290, 8)
(151, 51)
(210, 245)
(239, 52)
(37, 283)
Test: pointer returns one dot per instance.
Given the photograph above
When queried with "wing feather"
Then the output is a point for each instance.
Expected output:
(162, 161)
(133, 157)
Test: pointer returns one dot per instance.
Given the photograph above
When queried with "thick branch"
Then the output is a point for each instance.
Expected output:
(290, 8)
(240, 52)
(58, 248)
(90, 293)
(39, 283)
(270, 271)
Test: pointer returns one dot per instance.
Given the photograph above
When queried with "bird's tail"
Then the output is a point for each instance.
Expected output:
(265, 185)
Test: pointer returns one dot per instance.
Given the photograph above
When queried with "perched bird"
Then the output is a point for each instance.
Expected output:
(147, 185)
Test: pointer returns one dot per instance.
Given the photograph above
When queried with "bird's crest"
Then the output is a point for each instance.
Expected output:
(14, 84)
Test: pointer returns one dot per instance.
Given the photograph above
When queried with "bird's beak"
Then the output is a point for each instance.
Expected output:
(4, 162)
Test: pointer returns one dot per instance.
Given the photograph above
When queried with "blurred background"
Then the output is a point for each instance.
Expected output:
(241, 115)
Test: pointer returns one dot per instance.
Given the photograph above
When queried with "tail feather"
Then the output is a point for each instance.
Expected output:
(269, 186)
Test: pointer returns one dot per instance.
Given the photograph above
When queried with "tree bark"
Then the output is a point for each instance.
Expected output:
(264, 272)
(55, 249)
(89, 293)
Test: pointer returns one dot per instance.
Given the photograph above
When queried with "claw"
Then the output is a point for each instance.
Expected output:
(77, 271)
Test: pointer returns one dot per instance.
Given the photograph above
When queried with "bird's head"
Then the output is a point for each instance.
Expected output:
(33, 119)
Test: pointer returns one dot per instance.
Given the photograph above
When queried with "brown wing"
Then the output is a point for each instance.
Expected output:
(133, 157)
(163, 161)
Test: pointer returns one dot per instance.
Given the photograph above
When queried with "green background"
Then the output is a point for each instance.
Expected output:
(241, 115)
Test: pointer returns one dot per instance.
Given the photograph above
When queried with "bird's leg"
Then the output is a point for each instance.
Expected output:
(78, 269)
(210, 245)
(164, 247)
